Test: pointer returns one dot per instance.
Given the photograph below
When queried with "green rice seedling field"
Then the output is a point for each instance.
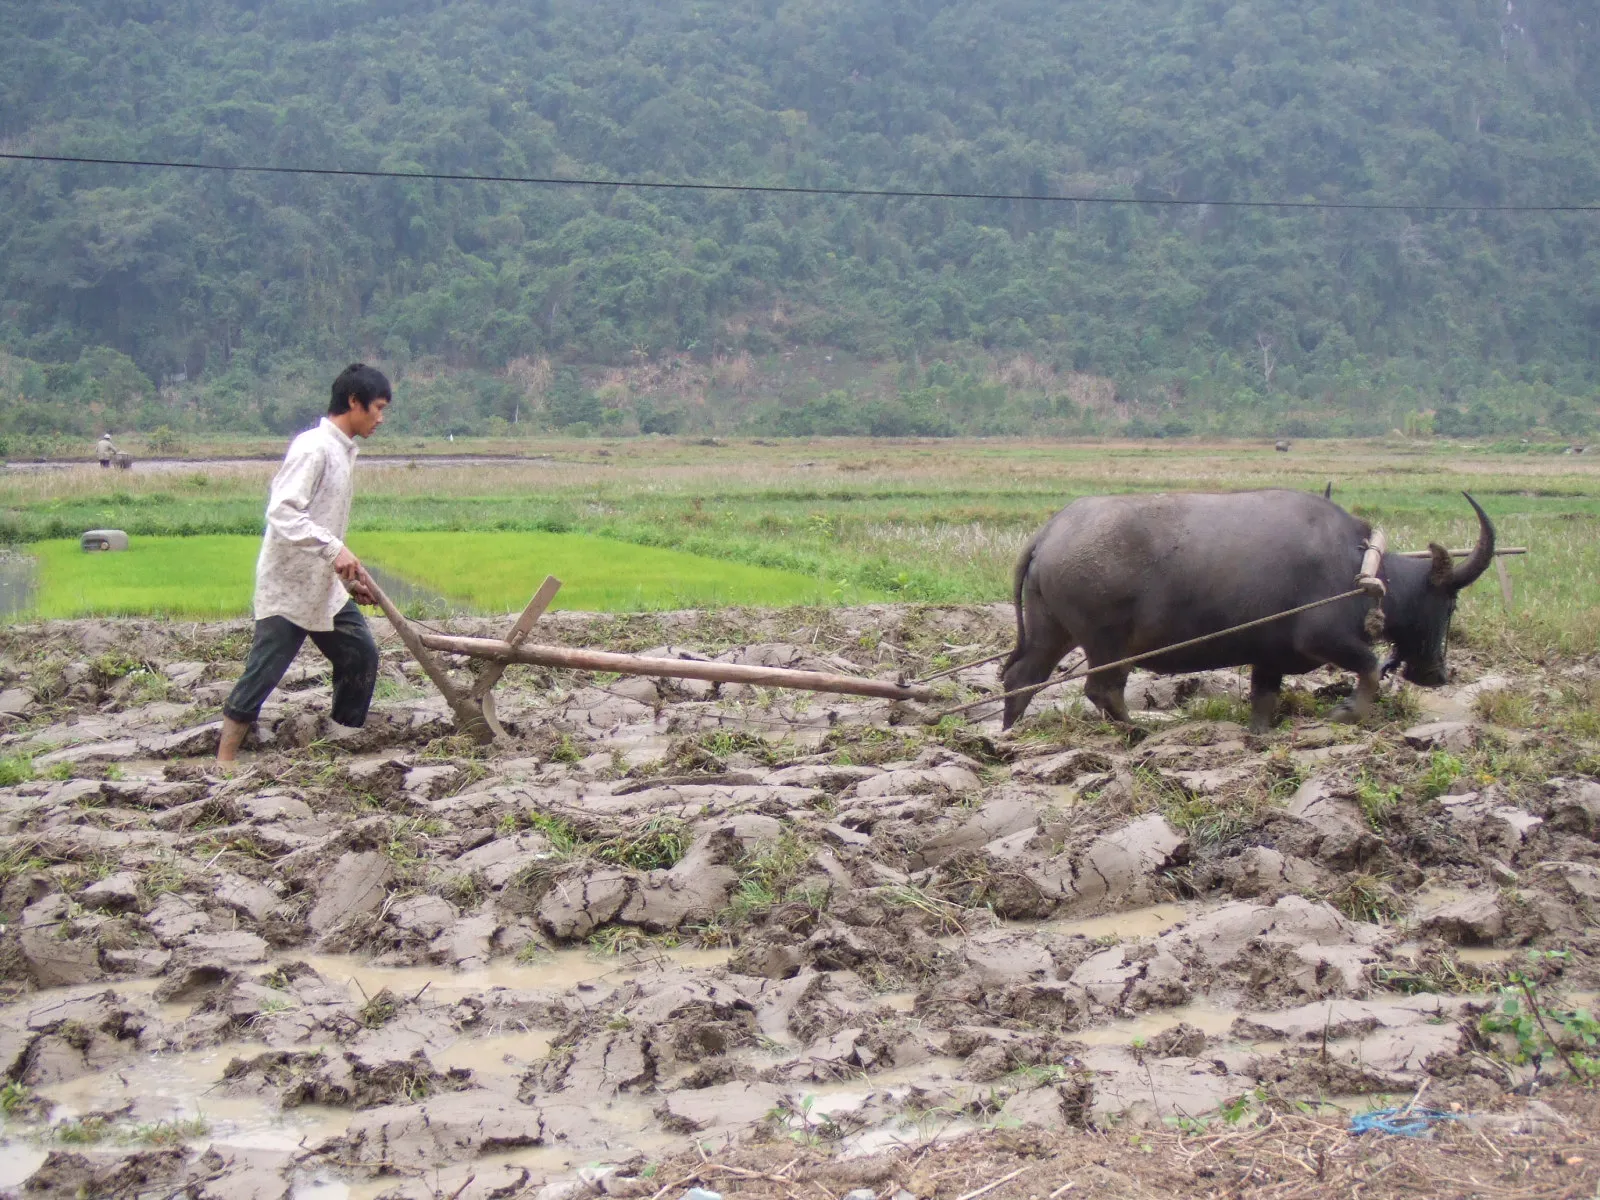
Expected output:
(495, 572)
(211, 575)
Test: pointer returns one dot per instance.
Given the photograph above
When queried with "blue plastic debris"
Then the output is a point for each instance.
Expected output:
(1416, 1122)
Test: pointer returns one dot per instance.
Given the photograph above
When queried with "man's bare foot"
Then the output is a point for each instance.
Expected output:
(233, 735)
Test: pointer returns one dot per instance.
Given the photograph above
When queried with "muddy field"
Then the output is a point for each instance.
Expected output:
(783, 944)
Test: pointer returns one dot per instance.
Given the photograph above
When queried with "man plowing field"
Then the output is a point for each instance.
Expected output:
(307, 581)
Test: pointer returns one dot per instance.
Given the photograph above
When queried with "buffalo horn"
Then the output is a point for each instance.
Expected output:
(1482, 554)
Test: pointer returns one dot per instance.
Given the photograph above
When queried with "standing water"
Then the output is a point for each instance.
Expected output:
(18, 583)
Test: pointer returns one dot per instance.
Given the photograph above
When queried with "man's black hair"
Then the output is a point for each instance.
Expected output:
(360, 383)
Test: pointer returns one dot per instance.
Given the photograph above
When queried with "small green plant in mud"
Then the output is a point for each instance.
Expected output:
(800, 1122)
(15, 769)
(1073, 724)
(566, 751)
(388, 689)
(379, 1010)
(954, 733)
(1509, 707)
(277, 979)
(1212, 820)
(658, 844)
(766, 873)
(713, 934)
(613, 940)
(948, 918)
(164, 876)
(1037, 1075)
(452, 747)
(711, 751)
(148, 687)
(531, 954)
(167, 1133)
(91, 1130)
(1539, 1026)
(20, 859)
(1434, 974)
(1365, 897)
(80, 1132)
(564, 839)
(1209, 820)
(464, 889)
(1284, 775)
(1236, 1111)
(1377, 799)
(13, 1098)
(1439, 775)
(1217, 708)
(408, 843)
(114, 665)
(868, 746)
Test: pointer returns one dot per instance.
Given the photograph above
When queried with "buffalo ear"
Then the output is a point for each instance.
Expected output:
(1442, 573)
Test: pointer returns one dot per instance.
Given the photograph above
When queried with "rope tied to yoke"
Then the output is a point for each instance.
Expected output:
(1367, 584)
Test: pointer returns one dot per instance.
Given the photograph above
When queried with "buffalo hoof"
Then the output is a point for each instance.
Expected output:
(1258, 725)
(1348, 714)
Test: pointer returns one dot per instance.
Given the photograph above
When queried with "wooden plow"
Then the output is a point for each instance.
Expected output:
(474, 708)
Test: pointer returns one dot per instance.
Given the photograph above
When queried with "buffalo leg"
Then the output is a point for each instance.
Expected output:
(1264, 687)
(1105, 691)
(1359, 658)
(1359, 706)
(1031, 662)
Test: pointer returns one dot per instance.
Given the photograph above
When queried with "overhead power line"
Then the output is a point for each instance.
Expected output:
(781, 190)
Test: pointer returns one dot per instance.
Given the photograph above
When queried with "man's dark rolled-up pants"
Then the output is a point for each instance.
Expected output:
(348, 646)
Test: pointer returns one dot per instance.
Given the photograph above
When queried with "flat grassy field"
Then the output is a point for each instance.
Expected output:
(928, 520)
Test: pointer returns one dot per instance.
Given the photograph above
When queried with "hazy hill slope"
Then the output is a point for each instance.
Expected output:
(1450, 101)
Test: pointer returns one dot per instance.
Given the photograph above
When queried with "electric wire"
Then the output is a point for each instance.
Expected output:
(796, 190)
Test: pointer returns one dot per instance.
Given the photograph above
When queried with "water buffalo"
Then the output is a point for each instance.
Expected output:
(1121, 575)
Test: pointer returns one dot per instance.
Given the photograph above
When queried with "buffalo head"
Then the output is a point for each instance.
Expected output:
(1422, 599)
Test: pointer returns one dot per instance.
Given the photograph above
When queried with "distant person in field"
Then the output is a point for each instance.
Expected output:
(106, 450)
(307, 581)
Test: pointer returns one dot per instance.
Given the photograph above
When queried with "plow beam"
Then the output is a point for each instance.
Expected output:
(670, 668)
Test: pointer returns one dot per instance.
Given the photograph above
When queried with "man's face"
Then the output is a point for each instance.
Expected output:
(365, 421)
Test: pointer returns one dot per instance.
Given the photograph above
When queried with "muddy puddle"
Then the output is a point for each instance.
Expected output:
(19, 582)
(1213, 1020)
(556, 970)
(1126, 926)
(184, 1087)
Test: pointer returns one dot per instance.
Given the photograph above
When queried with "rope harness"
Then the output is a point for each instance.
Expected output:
(1367, 584)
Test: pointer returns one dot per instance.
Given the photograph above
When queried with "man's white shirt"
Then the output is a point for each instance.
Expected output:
(308, 513)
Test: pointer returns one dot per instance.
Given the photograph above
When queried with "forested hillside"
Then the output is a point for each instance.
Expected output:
(621, 308)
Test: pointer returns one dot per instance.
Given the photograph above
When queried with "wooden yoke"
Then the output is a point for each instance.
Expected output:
(1371, 562)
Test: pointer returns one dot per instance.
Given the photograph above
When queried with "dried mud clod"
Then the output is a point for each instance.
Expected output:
(663, 910)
